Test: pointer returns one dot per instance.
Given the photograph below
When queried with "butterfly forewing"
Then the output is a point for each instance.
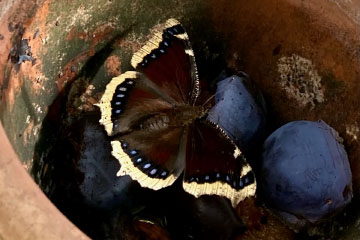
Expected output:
(127, 100)
(168, 60)
(214, 165)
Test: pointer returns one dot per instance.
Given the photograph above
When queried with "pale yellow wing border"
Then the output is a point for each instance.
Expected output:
(128, 168)
(105, 101)
(155, 40)
(222, 189)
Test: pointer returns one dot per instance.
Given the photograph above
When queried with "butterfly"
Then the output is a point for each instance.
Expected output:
(158, 126)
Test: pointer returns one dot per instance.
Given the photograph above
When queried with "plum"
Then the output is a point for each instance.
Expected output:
(305, 172)
(237, 112)
(100, 187)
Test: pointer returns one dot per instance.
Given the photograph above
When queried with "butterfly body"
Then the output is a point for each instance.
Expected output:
(159, 128)
(180, 116)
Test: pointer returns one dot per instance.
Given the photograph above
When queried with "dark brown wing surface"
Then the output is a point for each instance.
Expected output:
(168, 60)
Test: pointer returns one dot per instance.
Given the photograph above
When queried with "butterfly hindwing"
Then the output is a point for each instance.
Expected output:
(151, 158)
(214, 165)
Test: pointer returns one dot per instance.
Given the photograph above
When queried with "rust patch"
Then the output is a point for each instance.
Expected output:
(69, 73)
(39, 27)
(112, 65)
(5, 45)
(27, 70)
(99, 34)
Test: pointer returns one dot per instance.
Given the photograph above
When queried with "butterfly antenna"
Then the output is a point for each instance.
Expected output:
(213, 95)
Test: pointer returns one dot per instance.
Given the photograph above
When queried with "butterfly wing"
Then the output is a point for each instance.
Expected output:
(129, 99)
(214, 165)
(168, 60)
(154, 160)
(135, 107)
(133, 112)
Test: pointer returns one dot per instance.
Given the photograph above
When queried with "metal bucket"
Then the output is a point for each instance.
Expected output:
(57, 56)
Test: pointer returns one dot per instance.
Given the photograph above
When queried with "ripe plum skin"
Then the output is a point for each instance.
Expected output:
(237, 112)
(305, 171)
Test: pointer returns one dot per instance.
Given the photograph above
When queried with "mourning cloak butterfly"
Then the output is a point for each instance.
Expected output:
(159, 127)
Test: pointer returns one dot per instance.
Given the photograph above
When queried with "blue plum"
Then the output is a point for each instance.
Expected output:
(237, 112)
(100, 186)
(305, 172)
